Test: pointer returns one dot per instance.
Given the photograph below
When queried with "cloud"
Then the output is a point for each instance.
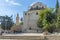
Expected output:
(13, 3)
(6, 0)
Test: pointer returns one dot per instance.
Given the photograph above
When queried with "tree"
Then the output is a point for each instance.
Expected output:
(7, 23)
(57, 16)
(57, 6)
(45, 20)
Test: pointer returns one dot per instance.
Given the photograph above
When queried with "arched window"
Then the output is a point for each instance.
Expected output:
(31, 8)
(28, 14)
(25, 13)
(42, 7)
(37, 7)
(36, 13)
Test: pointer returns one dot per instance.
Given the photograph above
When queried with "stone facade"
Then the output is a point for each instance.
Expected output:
(31, 17)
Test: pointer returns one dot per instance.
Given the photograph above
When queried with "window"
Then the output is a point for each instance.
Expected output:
(30, 28)
(42, 7)
(37, 7)
(28, 14)
(37, 13)
(31, 8)
(25, 13)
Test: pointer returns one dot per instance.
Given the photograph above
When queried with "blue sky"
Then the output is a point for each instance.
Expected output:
(12, 7)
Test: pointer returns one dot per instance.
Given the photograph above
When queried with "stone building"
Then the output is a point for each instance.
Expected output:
(31, 17)
(17, 26)
(17, 19)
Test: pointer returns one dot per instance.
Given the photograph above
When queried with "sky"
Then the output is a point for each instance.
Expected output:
(12, 7)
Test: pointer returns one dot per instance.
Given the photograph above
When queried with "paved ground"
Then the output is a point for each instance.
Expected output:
(24, 34)
(29, 36)
(8, 39)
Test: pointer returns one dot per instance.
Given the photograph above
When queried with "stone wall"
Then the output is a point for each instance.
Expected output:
(23, 37)
(53, 37)
(30, 20)
(46, 37)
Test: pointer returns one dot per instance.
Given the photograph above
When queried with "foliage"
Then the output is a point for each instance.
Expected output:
(57, 14)
(7, 23)
(46, 18)
(21, 23)
(57, 6)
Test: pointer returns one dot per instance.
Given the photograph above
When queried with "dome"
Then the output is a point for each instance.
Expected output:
(37, 6)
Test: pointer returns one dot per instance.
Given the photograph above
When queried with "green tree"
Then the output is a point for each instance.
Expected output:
(57, 13)
(7, 23)
(46, 19)
(57, 6)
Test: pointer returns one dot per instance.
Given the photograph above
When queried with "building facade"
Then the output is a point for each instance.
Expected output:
(31, 17)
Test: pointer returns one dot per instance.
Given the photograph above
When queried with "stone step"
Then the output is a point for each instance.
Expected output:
(23, 37)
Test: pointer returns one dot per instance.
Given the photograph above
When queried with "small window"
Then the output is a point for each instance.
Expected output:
(37, 13)
(28, 14)
(42, 7)
(25, 13)
(37, 7)
(30, 28)
(31, 8)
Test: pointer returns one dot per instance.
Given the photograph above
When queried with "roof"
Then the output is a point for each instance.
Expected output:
(36, 6)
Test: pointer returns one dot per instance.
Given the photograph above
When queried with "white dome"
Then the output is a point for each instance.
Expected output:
(37, 6)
